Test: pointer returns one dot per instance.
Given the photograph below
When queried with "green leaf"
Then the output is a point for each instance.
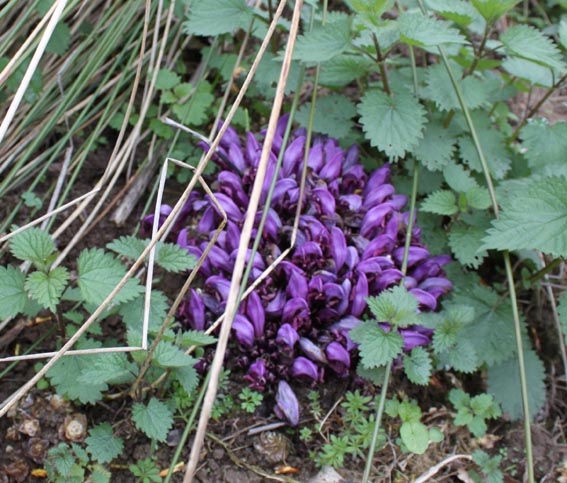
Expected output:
(458, 178)
(99, 273)
(415, 436)
(436, 435)
(377, 347)
(375, 8)
(100, 474)
(187, 377)
(173, 258)
(435, 149)
(504, 384)
(417, 366)
(323, 42)
(102, 444)
(343, 69)
(13, 296)
(459, 398)
(396, 306)
(545, 146)
(112, 368)
(394, 123)
(562, 31)
(462, 357)
(268, 73)
(536, 74)
(493, 143)
(47, 288)
(466, 242)
(478, 198)
(34, 245)
(459, 11)
(194, 110)
(60, 39)
(215, 17)
(529, 43)
(154, 420)
(442, 202)
(31, 200)
(492, 10)
(197, 338)
(425, 31)
(167, 79)
(133, 312)
(333, 115)
(65, 373)
(533, 216)
(169, 355)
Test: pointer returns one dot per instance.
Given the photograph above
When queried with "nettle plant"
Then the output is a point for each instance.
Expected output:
(68, 297)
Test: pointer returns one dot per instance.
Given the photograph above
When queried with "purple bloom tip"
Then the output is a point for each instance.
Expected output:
(287, 406)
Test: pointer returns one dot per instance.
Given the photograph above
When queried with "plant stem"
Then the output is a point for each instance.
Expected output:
(382, 65)
(479, 52)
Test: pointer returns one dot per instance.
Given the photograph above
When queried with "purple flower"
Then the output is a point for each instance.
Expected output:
(287, 406)
(257, 375)
(304, 369)
(339, 358)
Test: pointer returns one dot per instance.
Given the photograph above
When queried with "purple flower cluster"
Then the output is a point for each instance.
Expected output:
(350, 245)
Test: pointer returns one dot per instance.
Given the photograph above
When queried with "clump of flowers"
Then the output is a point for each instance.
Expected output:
(350, 245)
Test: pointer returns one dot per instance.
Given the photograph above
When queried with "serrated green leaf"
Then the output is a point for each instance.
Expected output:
(377, 347)
(533, 216)
(375, 374)
(343, 69)
(562, 31)
(415, 436)
(394, 124)
(445, 336)
(100, 474)
(440, 90)
(425, 31)
(31, 200)
(190, 338)
(60, 39)
(504, 384)
(462, 357)
(47, 288)
(169, 355)
(99, 273)
(323, 42)
(194, 110)
(112, 368)
(417, 366)
(13, 297)
(458, 178)
(478, 198)
(187, 377)
(459, 11)
(442, 202)
(333, 115)
(459, 398)
(483, 404)
(102, 444)
(396, 306)
(133, 312)
(435, 149)
(492, 10)
(545, 146)
(268, 73)
(65, 373)
(529, 43)
(34, 245)
(167, 79)
(372, 7)
(436, 435)
(154, 420)
(173, 258)
(536, 74)
(466, 242)
(215, 17)
(493, 143)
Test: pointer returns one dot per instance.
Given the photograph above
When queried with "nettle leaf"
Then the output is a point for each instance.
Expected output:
(394, 124)
(324, 42)
(113, 368)
(173, 258)
(459, 11)
(133, 312)
(215, 17)
(562, 308)
(377, 347)
(154, 420)
(100, 474)
(458, 178)
(99, 273)
(268, 74)
(425, 31)
(64, 375)
(102, 444)
(333, 115)
(435, 149)
(440, 90)
(442, 202)
(417, 366)
(169, 355)
(190, 338)
(47, 288)
(343, 69)
(194, 110)
(13, 297)
(496, 153)
(504, 384)
(562, 31)
(529, 43)
(545, 146)
(396, 306)
(376, 8)
(492, 10)
(466, 242)
(533, 216)
(536, 74)
(462, 357)
(478, 198)
(187, 377)
(34, 245)
(415, 436)
(167, 79)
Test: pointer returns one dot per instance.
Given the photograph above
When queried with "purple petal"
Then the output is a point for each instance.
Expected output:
(253, 150)
(219, 259)
(415, 336)
(374, 219)
(425, 299)
(399, 201)
(256, 375)
(378, 195)
(352, 258)
(220, 285)
(236, 157)
(324, 200)
(293, 156)
(436, 286)
(193, 311)
(287, 336)
(339, 358)
(351, 202)
(282, 188)
(431, 267)
(297, 285)
(315, 160)
(354, 179)
(351, 157)
(296, 312)
(332, 168)
(287, 406)
(208, 221)
(304, 369)
(276, 304)
(338, 247)
(244, 331)
(377, 179)
(255, 312)
(230, 136)
(381, 245)
(229, 206)
(358, 295)
(388, 278)
(148, 221)
(314, 352)
(415, 255)
(231, 185)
